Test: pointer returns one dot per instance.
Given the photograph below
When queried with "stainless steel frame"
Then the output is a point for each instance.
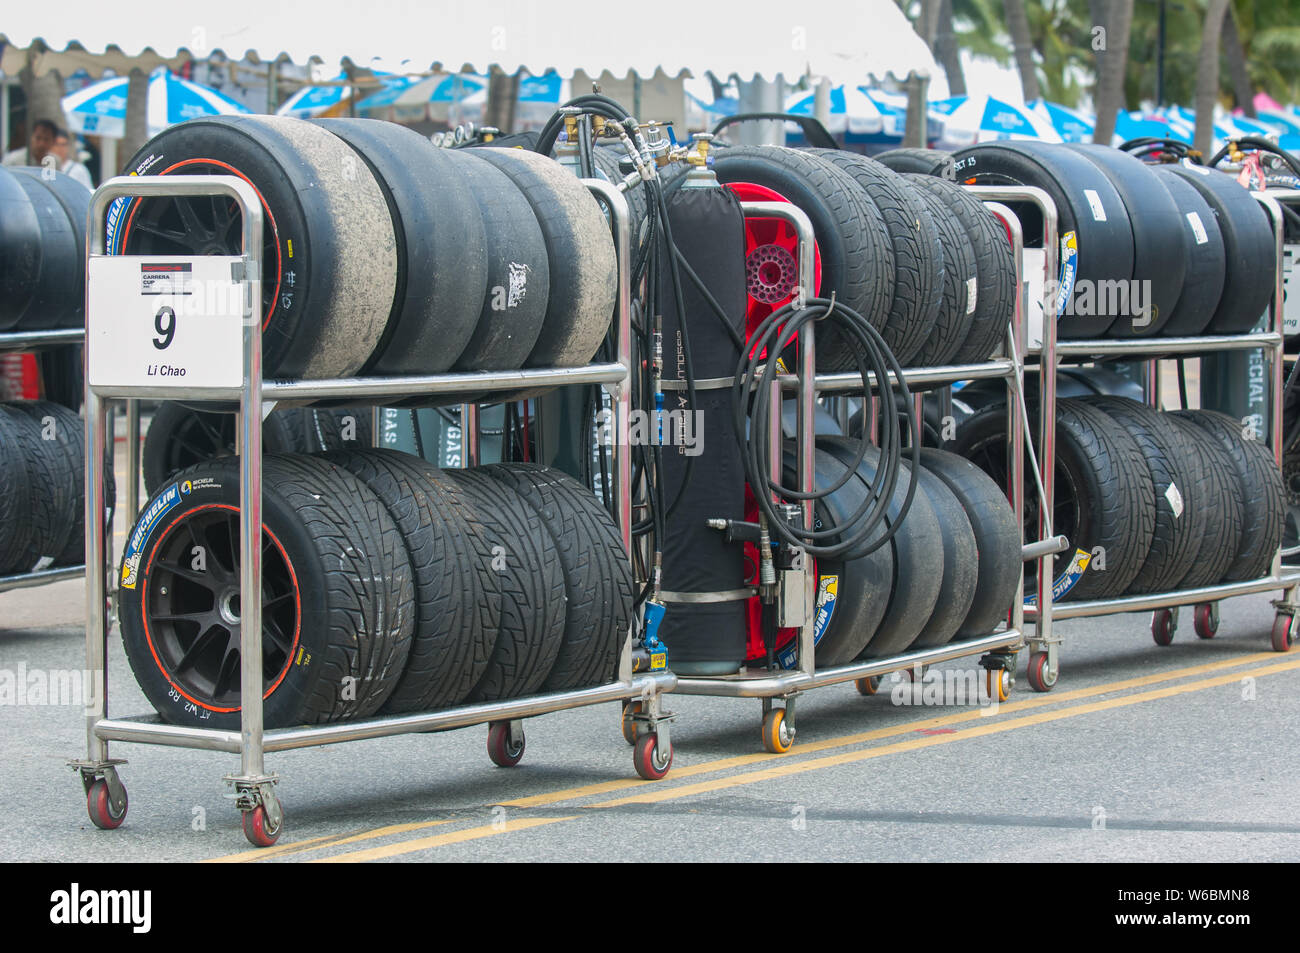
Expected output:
(252, 784)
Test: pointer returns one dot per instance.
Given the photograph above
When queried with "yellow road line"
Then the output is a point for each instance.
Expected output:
(329, 840)
(787, 768)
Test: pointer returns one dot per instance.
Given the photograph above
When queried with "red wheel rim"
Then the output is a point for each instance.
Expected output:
(771, 256)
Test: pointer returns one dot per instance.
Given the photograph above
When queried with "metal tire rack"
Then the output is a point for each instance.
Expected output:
(254, 786)
(18, 342)
(778, 690)
(1044, 644)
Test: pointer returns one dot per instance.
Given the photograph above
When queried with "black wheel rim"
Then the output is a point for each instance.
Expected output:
(192, 614)
(200, 437)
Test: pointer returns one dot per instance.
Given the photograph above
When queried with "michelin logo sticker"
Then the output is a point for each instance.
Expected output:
(1069, 270)
(1066, 581)
(160, 507)
(828, 588)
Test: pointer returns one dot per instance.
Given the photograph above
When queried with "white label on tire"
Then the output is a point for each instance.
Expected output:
(518, 284)
(1094, 200)
(45, 562)
(972, 290)
(1198, 228)
(1175, 500)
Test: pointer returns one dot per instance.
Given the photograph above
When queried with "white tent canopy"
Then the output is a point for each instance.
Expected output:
(842, 40)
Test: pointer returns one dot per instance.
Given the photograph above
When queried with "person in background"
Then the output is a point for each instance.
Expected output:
(68, 164)
(41, 144)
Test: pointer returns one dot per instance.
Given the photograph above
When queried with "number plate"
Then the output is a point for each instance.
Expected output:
(165, 322)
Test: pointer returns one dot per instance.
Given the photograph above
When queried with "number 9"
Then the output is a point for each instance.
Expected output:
(164, 323)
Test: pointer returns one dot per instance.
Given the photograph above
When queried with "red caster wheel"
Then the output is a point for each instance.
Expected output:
(997, 682)
(869, 685)
(1206, 620)
(778, 736)
(1162, 627)
(258, 828)
(914, 674)
(650, 762)
(99, 804)
(505, 747)
(1040, 674)
(630, 724)
(1282, 639)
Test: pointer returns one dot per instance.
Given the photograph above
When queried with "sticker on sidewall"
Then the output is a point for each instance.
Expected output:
(1067, 580)
(1198, 228)
(828, 589)
(1175, 499)
(1069, 271)
(167, 501)
(1094, 202)
(972, 293)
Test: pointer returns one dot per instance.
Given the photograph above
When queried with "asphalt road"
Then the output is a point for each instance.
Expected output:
(1184, 753)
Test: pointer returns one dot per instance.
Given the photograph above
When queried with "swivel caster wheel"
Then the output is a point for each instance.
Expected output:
(505, 747)
(650, 762)
(99, 804)
(997, 682)
(1206, 620)
(259, 829)
(778, 736)
(1040, 674)
(630, 725)
(869, 685)
(1163, 624)
(1282, 638)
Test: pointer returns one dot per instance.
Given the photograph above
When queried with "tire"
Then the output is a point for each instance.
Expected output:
(920, 161)
(452, 635)
(1204, 271)
(329, 256)
(606, 160)
(1103, 238)
(997, 539)
(1215, 490)
(1260, 486)
(580, 257)
(47, 503)
(918, 554)
(956, 311)
(180, 436)
(851, 240)
(60, 292)
(960, 563)
(346, 428)
(1104, 502)
(517, 280)
(75, 199)
(1250, 258)
(918, 273)
(15, 517)
(70, 432)
(531, 582)
(1159, 247)
(597, 578)
(1180, 518)
(58, 484)
(334, 572)
(20, 251)
(62, 380)
(441, 246)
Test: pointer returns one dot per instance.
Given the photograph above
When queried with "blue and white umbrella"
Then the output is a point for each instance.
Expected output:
(851, 111)
(422, 91)
(986, 118)
(100, 109)
(893, 112)
(1140, 125)
(1072, 125)
(311, 101)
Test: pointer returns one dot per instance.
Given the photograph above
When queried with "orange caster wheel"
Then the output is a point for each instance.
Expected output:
(869, 685)
(997, 682)
(630, 725)
(778, 736)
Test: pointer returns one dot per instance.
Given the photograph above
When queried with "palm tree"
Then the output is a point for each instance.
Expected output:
(1207, 74)
(947, 51)
(1116, 17)
(1022, 45)
(1235, 55)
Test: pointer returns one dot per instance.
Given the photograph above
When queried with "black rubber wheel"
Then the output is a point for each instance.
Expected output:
(99, 805)
(1093, 224)
(337, 597)
(517, 279)
(345, 428)
(960, 281)
(16, 517)
(59, 295)
(960, 563)
(1104, 502)
(54, 482)
(597, 577)
(20, 251)
(917, 288)
(75, 199)
(524, 559)
(1215, 493)
(581, 262)
(1259, 487)
(1159, 246)
(1250, 257)
(504, 749)
(1180, 518)
(1204, 271)
(997, 539)
(180, 436)
(328, 252)
(921, 161)
(454, 630)
(441, 246)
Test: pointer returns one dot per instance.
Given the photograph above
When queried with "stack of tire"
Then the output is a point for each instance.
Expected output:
(1192, 235)
(388, 586)
(42, 250)
(919, 258)
(1157, 502)
(42, 487)
(384, 255)
(180, 436)
(950, 571)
